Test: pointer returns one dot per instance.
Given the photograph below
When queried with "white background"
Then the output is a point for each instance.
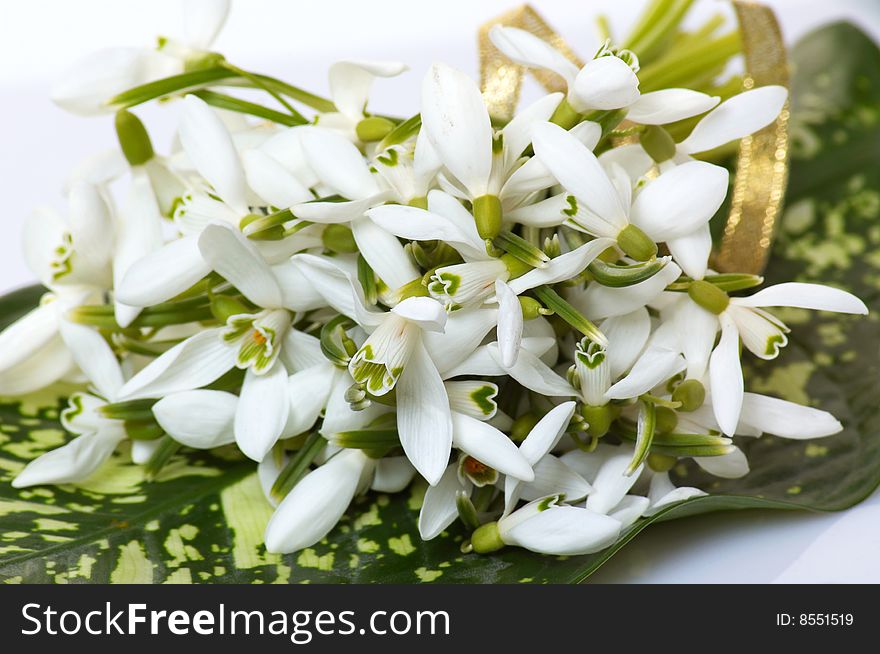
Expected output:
(296, 40)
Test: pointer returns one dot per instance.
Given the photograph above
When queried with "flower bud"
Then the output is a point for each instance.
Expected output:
(487, 214)
(133, 138)
(486, 538)
(657, 143)
(339, 239)
(708, 296)
(636, 244)
(374, 128)
(690, 393)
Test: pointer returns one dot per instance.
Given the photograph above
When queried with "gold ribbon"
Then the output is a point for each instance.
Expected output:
(762, 163)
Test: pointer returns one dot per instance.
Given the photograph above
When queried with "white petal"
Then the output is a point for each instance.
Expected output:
(308, 392)
(739, 116)
(271, 181)
(439, 509)
(526, 49)
(196, 362)
(90, 226)
(85, 88)
(338, 163)
(518, 132)
(297, 290)
(761, 333)
(612, 483)
(564, 531)
(787, 419)
(71, 462)
(338, 287)
(94, 357)
(662, 493)
(656, 365)
(534, 374)
(691, 251)
(510, 323)
(239, 262)
(268, 471)
(490, 446)
(552, 476)
(210, 148)
(603, 301)
(670, 105)
(605, 83)
(630, 509)
(464, 332)
(805, 296)
(631, 157)
(336, 212)
(350, 83)
(424, 422)
(262, 411)
(384, 253)
(393, 474)
(732, 465)
(627, 335)
(578, 170)
(46, 366)
(139, 232)
(726, 380)
(697, 328)
(546, 434)
(301, 351)
(203, 20)
(28, 335)
(316, 503)
(420, 225)
(143, 451)
(199, 419)
(425, 312)
(680, 200)
(164, 273)
(42, 232)
(563, 267)
(457, 124)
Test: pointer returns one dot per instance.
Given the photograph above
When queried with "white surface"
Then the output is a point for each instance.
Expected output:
(297, 40)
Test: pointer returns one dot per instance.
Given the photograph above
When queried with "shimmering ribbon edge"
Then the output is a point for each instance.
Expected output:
(762, 163)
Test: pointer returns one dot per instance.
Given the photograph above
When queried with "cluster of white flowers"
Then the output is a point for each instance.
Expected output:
(521, 314)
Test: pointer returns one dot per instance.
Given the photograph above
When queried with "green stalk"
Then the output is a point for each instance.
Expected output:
(230, 103)
(168, 447)
(298, 465)
(553, 301)
(660, 30)
(680, 67)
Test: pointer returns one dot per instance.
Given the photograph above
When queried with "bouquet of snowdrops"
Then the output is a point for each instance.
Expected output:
(521, 313)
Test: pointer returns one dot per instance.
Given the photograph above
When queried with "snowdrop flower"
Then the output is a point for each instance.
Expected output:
(350, 83)
(73, 257)
(607, 82)
(103, 74)
(547, 526)
(316, 503)
(706, 309)
(176, 266)
(668, 209)
(97, 435)
(479, 161)
(482, 277)
(250, 341)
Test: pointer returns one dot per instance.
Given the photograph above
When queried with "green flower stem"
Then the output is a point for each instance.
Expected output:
(367, 439)
(401, 133)
(230, 103)
(644, 435)
(167, 448)
(298, 466)
(367, 278)
(316, 102)
(553, 301)
(176, 84)
(654, 35)
(521, 249)
(129, 410)
(680, 67)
